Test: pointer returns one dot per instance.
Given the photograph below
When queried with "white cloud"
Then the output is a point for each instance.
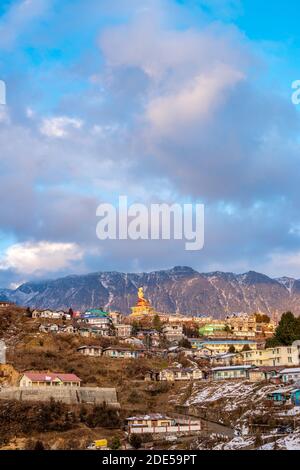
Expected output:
(59, 126)
(41, 257)
(282, 264)
(197, 100)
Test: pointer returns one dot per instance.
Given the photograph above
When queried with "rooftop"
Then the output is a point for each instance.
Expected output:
(215, 369)
(50, 377)
(152, 416)
(221, 341)
(292, 370)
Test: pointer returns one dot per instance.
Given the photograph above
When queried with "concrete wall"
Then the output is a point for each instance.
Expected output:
(71, 396)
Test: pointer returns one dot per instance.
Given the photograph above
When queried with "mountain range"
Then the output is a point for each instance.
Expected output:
(181, 289)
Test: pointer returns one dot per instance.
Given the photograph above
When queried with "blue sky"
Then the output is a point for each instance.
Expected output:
(161, 100)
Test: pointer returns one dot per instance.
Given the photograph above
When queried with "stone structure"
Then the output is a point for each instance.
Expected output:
(68, 395)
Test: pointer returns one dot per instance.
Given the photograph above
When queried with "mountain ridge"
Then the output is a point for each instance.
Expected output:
(180, 289)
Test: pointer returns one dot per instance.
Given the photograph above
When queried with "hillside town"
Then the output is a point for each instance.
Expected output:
(195, 363)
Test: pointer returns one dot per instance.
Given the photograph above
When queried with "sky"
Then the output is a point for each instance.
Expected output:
(169, 101)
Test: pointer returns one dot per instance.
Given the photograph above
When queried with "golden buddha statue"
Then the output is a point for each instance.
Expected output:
(143, 306)
(142, 301)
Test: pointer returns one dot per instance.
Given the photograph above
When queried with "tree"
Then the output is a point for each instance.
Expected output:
(71, 313)
(227, 329)
(191, 331)
(157, 325)
(287, 331)
(135, 328)
(39, 445)
(184, 343)
(135, 441)
(115, 443)
(258, 442)
(28, 312)
(262, 318)
(231, 349)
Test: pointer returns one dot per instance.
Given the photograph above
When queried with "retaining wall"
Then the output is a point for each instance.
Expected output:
(68, 395)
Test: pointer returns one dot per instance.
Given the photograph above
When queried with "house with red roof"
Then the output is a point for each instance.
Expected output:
(49, 379)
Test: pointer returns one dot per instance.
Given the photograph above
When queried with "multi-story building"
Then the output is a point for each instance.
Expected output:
(123, 330)
(278, 356)
(173, 374)
(117, 317)
(242, 325)
(173, 332)
(218, 346)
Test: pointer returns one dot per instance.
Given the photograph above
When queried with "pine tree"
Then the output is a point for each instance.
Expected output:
(287, 332)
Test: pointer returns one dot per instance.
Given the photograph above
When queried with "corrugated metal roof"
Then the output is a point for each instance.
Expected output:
(50, 377)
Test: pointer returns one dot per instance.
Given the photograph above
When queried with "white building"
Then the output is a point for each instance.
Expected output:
(94, 351)
(230, 372)
(278, 356)
(173, 332)
(290, 375)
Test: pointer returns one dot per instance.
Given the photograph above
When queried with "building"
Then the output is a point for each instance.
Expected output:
(280, 396)
(96, 317)
(242, 325)
(123, 330)
(212, 329)
(290, 375)
(67, 329)
(123, 353)
(6, 303)
(230, 372)
(54, 328)
(50, 328)
(278, 356)
(116, 317)
(94, 351)
(55, 315)
(150, 338)
(174, 351)
(173, 374)
(295, 397)
(218, 346)
(173, 333)
(259, 374)
(49, 379)
(158, 423)
(95, 331)
(134, 342)
(226, 359)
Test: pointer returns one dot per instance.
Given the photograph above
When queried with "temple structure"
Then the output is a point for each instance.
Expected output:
(142, 307)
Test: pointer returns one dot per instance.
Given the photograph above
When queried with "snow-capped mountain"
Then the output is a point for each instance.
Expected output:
(181, 289)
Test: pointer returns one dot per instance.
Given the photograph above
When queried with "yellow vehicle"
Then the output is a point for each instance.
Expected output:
(99, 444)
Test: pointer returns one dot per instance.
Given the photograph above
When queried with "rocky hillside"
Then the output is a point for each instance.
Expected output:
(180, 289)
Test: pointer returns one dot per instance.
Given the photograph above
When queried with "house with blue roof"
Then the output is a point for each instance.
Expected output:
(221, 346)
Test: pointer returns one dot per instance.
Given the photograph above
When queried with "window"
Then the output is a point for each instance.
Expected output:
(290, 359)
